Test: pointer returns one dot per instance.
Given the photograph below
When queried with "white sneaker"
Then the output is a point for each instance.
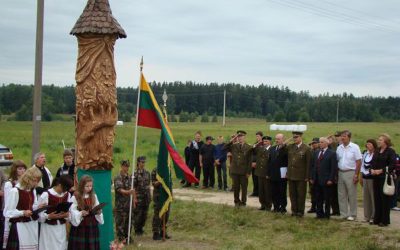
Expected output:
(350, 218)
(396, 208)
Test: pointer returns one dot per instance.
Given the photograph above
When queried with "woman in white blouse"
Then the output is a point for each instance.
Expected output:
(367, 180)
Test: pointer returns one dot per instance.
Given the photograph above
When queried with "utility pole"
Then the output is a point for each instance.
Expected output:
(337, 111)
(37, 95)
(223, 112)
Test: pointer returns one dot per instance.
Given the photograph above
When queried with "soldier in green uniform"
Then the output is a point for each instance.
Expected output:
(157, 221)
(264, 183)
(142, 188)
(314, 145)
(123, 191)
(240, 168)
(299, 159)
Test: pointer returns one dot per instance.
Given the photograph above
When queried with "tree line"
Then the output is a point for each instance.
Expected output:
(189, 100)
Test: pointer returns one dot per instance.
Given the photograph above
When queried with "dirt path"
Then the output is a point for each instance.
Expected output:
(226, 198)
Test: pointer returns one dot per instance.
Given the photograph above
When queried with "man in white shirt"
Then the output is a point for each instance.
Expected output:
(349, 164)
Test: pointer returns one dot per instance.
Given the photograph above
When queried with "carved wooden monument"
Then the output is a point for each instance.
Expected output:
(96, 94)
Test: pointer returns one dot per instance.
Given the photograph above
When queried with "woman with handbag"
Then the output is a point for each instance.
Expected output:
(382, 170)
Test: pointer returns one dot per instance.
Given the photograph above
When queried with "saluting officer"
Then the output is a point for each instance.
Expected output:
(299, 158)
(240, 169)
(314, 145)
(264, 184)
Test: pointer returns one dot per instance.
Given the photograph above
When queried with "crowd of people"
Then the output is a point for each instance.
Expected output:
(42, 212)
(331, 167)
(39, 212)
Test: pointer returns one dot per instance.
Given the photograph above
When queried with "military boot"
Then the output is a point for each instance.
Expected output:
(157, 236)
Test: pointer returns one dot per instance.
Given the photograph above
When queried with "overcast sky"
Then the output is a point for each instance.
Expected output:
(316, 45)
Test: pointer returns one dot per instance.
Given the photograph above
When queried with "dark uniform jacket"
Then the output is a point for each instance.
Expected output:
(262, 159)
(278, 159)
(324, 169)
(207, 152)
(241, 158)
(299, 160)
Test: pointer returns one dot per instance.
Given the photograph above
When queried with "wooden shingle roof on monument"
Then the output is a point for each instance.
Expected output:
(97, 18)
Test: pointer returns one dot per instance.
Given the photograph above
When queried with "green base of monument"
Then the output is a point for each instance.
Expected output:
(102, 187)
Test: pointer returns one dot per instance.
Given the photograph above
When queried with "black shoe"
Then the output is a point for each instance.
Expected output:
(382, 225)
(156, 236)
(242, 204)
(283, 211)
(335, 214)
(311, 211)
(187, 185)
(253, 195)
(262, 208)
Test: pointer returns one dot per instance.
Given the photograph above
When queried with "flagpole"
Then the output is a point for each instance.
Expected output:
(165, 98)
(134, 152)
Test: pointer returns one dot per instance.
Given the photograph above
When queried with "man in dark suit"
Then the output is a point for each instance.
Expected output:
(324, 169)
(194, 151)
(277, 166)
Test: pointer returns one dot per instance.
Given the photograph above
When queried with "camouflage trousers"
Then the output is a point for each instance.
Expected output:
(140, 217)
(122, 223)
(157, 221)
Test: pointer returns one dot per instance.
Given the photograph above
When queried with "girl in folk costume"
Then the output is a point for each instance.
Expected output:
(21, 203)
(84, 224)
(17, 169)
(53, 233)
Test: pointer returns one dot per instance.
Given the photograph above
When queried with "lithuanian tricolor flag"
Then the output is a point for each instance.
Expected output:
(151, 116)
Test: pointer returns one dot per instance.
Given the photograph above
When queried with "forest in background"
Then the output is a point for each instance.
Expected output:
(188, 100)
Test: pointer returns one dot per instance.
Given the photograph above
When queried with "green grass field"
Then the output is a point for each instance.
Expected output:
(196, 225)
(18, 136)
(205, 226)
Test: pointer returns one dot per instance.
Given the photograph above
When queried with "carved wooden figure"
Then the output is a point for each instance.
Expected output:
(96, 94)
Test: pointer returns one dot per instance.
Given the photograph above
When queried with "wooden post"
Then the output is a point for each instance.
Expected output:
(96, 92)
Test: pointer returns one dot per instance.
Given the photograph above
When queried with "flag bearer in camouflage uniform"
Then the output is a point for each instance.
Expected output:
(157, 221)
(142, 188)
(122, 185)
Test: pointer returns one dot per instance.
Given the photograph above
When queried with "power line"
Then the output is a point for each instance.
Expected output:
(315, 10)
(362, 13)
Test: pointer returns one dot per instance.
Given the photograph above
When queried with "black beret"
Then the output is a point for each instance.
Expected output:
(241, 132)
(269, 138)
(141, 158)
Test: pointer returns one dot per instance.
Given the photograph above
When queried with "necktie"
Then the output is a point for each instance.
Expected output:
(321, 155)
(319, 159)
